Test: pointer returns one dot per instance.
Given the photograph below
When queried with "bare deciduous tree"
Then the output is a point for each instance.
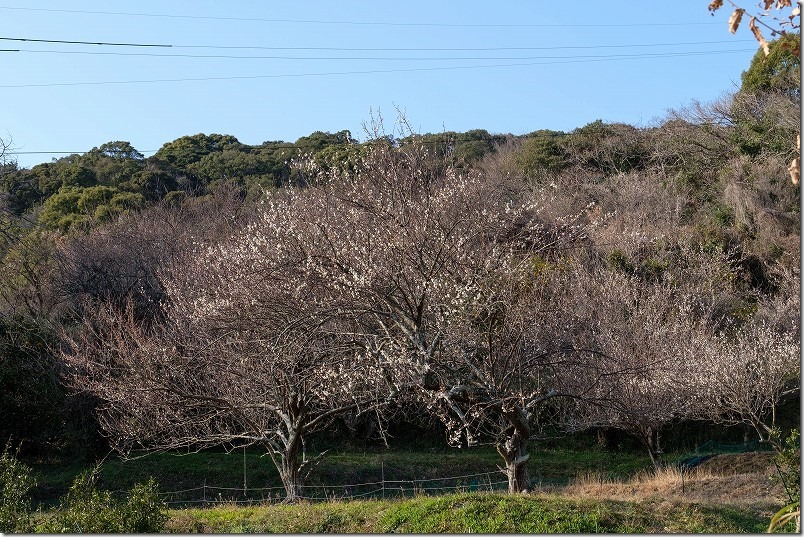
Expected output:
(437, 262)
(252, 351)
(645, 329)
(745, 375)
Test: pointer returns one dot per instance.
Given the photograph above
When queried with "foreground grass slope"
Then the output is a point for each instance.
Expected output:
(574, 491)
(476, 513)
(727, 494)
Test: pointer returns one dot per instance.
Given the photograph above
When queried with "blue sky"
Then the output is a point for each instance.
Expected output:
(280, 70)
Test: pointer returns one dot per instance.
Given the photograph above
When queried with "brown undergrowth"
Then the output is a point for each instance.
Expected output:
(739, 480)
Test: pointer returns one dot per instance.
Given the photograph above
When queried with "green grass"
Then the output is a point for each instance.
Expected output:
(454, 512)
(348, 467)
(471, 512)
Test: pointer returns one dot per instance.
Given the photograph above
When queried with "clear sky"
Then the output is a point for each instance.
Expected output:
(281, 69)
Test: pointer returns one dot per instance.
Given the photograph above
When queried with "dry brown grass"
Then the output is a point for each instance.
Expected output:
(726, 479)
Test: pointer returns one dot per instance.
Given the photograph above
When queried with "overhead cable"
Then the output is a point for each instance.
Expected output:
(369, 58)
(372, 71)
(357, 23)
(370, 49)
(101, 43)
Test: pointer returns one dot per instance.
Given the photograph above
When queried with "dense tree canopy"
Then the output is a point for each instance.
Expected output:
(503, 286)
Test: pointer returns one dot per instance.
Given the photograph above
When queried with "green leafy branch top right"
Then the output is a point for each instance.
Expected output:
(784, 21)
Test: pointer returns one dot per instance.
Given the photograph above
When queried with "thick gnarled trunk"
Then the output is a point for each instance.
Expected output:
(513, 451)
(286, 460)
(287, 454)
(291, 477)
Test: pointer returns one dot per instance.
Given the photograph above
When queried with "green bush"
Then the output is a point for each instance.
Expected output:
(145, 511)
(87, 510)
(788, 464)
(15, 482)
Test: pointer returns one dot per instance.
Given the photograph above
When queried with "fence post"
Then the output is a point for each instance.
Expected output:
(245, 488)
(682, 479)
(205, 493)
(383, 478)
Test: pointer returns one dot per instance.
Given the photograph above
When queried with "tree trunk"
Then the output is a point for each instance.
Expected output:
(291, 477)
(515, 457)
(286, 460)
(650, 437)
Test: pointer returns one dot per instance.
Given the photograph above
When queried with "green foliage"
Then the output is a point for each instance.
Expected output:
(78, 175)
(648, 268)
(473, 145)
(723, 216)
(33, 402)
(541, 152)
(470, 152)
(187, 150)
(16, 480)
(617, 260)
(123, 201)
(61, 210)
(607, 147)
(780, 71)
(114, 162)
(144, 510)
(92, 197)
(788, 515)
(651, 269)
(85, 509)
(788, 464)
(152, 185)
(318, 140)
(21, 190)
(339, 157)
(74, 206)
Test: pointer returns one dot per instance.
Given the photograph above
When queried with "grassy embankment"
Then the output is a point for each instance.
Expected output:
(580, 491)
(475, 513)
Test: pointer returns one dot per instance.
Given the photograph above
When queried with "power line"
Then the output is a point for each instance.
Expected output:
(463, 49)
(446, 139)
(426, 139)
(355, 23)
(64, 152)
(362, 58)
(102, 43)
(372, 49)
(374, 71)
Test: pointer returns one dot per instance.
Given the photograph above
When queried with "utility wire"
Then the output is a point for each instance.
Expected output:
(355, 23)
(102, 43)
(372, 49)
(426, 138)
(466, 49)
(373, 71)
(369, 58)
(63, 152)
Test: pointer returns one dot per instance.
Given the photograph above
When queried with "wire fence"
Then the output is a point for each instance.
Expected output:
(206, 494)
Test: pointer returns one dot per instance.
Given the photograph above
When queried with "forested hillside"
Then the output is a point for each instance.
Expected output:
(492, 288)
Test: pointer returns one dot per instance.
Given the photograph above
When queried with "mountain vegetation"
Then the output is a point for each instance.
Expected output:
(495, 289)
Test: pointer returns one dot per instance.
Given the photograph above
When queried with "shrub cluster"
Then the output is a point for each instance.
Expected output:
(84, 509)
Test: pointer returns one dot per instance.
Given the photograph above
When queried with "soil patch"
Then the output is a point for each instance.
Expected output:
(758, 462)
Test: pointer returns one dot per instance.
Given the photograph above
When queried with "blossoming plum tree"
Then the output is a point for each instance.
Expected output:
(437, 262)
(254, 350)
